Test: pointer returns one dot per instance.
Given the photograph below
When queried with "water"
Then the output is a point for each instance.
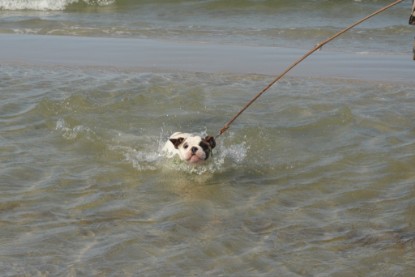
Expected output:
(315, 179)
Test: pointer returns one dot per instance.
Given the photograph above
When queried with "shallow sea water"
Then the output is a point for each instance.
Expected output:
(316, 179)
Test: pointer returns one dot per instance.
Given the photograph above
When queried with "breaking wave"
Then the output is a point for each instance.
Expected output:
(49, 5)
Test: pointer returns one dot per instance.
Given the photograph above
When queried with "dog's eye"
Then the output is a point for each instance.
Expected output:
(185, 146)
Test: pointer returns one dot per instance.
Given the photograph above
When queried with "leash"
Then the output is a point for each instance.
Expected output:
(294, 64)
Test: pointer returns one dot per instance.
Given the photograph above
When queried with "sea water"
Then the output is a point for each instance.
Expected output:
(315, 179)
(262, 23)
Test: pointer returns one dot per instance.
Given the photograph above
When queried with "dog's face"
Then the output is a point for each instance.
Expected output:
(194, 149)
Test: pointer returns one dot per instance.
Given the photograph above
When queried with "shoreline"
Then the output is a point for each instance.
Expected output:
(158, 56)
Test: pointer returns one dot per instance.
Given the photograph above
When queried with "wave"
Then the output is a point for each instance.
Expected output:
(49, 5)
(334, 8)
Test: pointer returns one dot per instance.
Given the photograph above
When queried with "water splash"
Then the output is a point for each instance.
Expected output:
(71, 133)
(144, 153)
(140, 160)
(150, 159)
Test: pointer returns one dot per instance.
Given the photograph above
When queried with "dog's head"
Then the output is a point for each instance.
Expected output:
(194, 149)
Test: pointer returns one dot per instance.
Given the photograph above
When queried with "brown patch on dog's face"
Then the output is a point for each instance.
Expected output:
(176, 142)
(211, 141)
(207, 144)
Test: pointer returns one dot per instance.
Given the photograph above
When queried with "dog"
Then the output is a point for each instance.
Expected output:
(190, 148)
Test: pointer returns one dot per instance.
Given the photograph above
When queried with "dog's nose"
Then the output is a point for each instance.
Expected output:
(194, 150)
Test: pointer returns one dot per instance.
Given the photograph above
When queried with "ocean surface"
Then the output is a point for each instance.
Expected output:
(316, 178)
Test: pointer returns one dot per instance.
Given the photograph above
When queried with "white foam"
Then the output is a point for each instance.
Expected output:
(48, 5)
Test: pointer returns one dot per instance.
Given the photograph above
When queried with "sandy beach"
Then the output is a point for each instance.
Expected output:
(169, 56)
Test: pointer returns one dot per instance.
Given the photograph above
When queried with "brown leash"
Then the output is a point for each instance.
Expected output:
(294, 64)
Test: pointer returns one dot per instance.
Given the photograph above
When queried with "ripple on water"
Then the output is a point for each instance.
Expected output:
(316, 178)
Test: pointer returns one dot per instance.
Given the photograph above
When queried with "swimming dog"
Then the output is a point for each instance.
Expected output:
(190, 148)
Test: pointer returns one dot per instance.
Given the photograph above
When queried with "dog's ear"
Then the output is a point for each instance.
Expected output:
(211, 141)
(176, 142)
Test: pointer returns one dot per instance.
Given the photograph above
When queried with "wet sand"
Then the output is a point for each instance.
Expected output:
(167, 56)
